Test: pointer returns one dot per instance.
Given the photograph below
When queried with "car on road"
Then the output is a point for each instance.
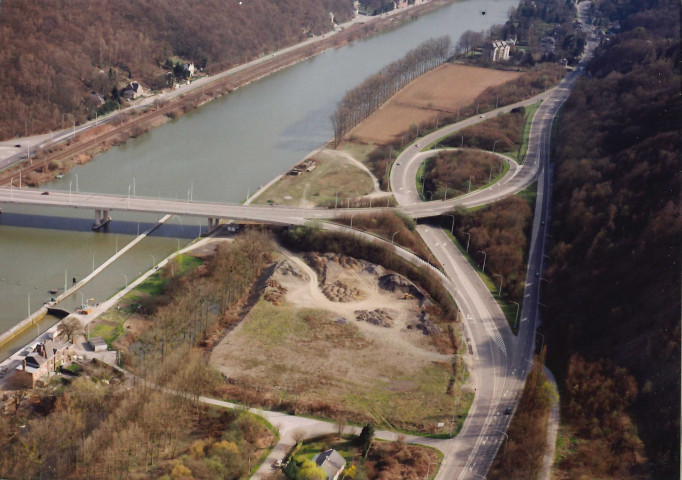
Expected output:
(507, 411)
(45, 193)
(416, 145)
(482, 116)
(537, 274)
(542, 222)
(277, 464)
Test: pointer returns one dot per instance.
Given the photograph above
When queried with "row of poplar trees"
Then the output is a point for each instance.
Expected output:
(359, 103)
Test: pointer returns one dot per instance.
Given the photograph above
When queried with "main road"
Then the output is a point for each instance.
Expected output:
(501, 361)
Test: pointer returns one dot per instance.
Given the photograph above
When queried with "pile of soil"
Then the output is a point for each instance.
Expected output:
(378, 317)
(425, 325)
(340, 292)
(286, 268)
(394, 282)
(274, 292)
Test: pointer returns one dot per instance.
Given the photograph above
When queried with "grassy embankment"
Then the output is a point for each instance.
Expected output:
(110, 324)
(334, 181)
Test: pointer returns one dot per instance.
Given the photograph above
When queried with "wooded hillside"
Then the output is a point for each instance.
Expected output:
(613, 322)
(56, 53)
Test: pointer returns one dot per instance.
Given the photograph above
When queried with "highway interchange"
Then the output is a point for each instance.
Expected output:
(501, 360)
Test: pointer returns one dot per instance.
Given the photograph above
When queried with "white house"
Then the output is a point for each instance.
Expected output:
(331, 462)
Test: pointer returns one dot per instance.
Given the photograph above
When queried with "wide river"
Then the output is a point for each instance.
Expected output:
(222, 152)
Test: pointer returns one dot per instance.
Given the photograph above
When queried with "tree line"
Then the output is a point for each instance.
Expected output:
(359, 103)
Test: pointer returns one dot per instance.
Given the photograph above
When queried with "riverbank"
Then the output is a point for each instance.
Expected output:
(56, 158)
(29, 322)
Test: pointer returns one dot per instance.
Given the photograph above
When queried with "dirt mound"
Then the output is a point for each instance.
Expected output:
(288, 269)
(394, 282)
(274, 292)
(425, 325)
(340, 292)
(378, 317)
(329, 265)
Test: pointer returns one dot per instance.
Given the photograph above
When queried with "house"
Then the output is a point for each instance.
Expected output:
(98, 344)
(132, 90)
(46, 357)
(331, 462)
(498, 50)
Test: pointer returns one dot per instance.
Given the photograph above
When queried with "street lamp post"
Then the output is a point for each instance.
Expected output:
(430, 198)
(501, 280)
(542, 345)
(446, 192)
(468, 239)
(126, 279)
(351, 221)
(153, 260)
(70, 191)
(494, 144)
(469, 190)
(452, 227)
(392, 237)
(516, 319)
(484, 259)
(428, 470)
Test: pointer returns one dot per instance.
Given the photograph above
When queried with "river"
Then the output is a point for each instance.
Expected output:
(220, 152)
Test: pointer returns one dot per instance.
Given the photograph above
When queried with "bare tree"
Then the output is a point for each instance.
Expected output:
(69, 328)
(340, 423)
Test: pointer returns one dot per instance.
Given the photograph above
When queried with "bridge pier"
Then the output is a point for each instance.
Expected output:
(212, 223)
(101, 218)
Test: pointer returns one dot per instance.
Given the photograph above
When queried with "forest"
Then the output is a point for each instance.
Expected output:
(62, 59)
(613, 297)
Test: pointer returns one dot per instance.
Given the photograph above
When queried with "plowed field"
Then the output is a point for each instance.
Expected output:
(437, 93)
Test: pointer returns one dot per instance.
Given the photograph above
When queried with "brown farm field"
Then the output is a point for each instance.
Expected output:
(438, 93)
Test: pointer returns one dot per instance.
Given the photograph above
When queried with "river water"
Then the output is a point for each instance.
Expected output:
(221, 152)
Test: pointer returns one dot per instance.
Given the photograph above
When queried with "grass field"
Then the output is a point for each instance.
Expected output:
(437, 93)
(307, 355)
(334, 174)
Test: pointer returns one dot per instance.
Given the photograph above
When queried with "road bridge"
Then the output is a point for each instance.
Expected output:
(500, 360)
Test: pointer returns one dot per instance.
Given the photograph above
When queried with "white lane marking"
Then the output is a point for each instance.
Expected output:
(495, 334)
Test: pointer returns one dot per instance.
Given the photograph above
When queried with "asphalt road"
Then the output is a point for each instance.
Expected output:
(500, 360)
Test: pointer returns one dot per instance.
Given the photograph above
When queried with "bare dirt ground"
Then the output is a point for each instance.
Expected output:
(351, 340)
(436, 94)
